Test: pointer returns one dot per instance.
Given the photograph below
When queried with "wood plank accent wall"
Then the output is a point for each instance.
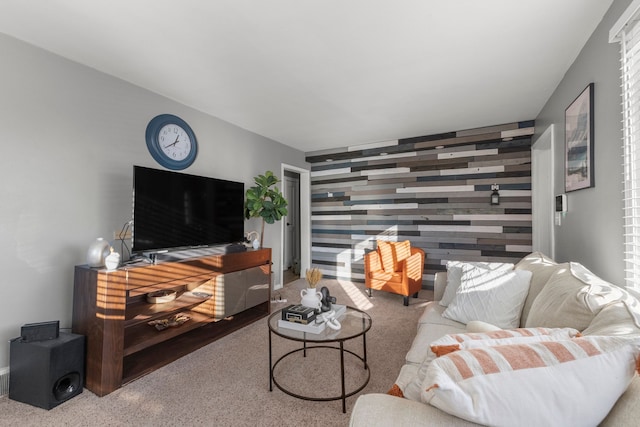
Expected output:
(432, 190)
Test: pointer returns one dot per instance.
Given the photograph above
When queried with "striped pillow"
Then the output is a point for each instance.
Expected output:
(553, 383)
(455, 342)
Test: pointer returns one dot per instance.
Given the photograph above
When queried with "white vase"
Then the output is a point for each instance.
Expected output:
(112, 261)
(97, 252)
(311, 298)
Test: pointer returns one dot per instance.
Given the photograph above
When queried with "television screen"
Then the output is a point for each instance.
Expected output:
(175, 210)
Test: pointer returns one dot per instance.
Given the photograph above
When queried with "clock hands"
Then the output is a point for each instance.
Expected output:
(174, 142)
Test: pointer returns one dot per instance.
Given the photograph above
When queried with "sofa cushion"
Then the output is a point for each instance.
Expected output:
(455, 270)
(615, 319)
(572, 297)
(495, 297)
(384, 276)
(431, 326)
(542, 268)
(455, 342)
(573, 382)
(406, 381)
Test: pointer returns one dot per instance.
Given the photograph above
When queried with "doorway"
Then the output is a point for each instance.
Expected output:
(291, 238)
(542, 196)
(301, 238)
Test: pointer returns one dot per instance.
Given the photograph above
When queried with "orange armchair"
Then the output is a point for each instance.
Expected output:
(394, 267)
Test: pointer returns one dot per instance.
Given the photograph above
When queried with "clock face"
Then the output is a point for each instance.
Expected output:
(171, 141)
(174, 142)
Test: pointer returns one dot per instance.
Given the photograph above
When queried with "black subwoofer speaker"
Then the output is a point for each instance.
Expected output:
(46, 373)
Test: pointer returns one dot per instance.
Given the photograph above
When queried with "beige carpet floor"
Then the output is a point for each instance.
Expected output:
(226, 383)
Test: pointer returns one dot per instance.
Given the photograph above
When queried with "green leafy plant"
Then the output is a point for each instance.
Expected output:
(264, 200)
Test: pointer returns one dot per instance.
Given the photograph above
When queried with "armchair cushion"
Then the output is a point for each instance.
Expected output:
(401, 251)
(393, 254)
(385, 251)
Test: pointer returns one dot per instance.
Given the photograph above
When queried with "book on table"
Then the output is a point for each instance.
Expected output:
(314, 327)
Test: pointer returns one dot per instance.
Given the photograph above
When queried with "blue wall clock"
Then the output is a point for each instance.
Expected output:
(171, 141)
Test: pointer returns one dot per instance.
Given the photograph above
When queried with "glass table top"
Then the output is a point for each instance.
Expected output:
(354, 322)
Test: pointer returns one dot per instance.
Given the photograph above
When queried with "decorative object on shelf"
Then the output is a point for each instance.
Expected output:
(201, 295)
(171, 142)
(112, 261)
(265, 201)
(169, 322)
(495, 196)
(160, 297)
(255, 243)
(98, 252)
(579, 134)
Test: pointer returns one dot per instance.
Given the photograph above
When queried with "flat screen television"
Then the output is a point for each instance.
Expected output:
(173, 210)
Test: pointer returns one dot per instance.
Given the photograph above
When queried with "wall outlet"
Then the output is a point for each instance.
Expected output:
(122, 235)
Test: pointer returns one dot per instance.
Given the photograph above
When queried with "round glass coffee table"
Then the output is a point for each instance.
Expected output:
(354, 323)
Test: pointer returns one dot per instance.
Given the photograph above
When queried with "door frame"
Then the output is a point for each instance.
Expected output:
(292, 224)
(542, 194)
(305, 222)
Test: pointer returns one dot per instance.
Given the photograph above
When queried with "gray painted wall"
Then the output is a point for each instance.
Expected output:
(70, 136)
(591, 232)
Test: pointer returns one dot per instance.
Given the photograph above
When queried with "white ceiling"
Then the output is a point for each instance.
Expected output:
(318, 74)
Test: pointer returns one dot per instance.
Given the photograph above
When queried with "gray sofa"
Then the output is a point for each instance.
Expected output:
(616, 313)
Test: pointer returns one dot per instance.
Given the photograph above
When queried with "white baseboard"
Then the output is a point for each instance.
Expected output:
(4, 381)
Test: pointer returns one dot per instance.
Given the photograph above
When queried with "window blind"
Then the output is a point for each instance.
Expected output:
(627, 33)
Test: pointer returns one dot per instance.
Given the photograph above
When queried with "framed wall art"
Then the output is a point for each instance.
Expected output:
(579, 164)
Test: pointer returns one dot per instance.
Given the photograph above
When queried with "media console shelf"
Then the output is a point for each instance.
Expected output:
(219, 293)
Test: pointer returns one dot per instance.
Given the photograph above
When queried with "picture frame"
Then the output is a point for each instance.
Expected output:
(579, 142)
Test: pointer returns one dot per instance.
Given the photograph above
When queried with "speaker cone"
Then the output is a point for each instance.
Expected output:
(65, 386)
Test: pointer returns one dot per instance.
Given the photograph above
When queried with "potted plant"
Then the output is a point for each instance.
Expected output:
(264, 200)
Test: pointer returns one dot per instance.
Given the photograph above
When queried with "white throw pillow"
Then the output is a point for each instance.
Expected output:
(566, 383)
(542, 268)
(455, 269)
(572, 297)
(494, 297)
(455, 342)
(412, 389)
(480, 326)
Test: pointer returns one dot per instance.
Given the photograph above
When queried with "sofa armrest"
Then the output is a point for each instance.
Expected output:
(626, 411)
(439, 284)
(383, 410)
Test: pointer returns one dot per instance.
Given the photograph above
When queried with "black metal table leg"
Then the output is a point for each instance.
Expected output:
(270, 364)
(344, 397)
(364, 349)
